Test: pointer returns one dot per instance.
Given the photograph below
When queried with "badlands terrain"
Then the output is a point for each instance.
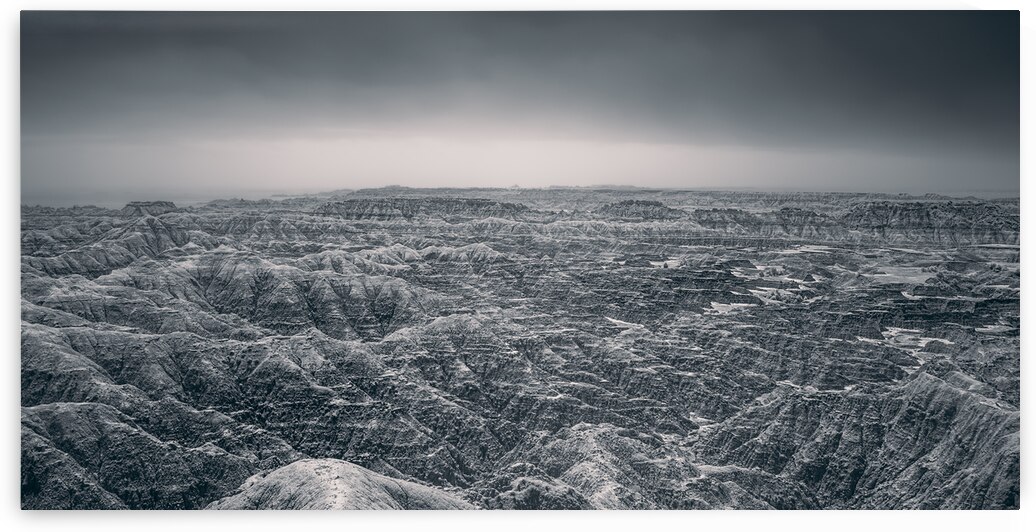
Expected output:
(566, 348)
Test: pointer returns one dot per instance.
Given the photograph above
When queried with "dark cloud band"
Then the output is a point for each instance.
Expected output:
(933, 85)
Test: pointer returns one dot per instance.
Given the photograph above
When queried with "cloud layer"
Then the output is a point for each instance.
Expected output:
(177, 103)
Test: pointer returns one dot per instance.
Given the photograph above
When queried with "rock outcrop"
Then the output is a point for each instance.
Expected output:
(640, 210)
(148, 208)
(334, 485)
(523, 349)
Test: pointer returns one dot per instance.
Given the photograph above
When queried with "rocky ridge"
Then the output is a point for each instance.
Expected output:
(500, 348)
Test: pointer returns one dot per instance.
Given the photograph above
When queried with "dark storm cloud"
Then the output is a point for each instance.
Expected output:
(936, 85)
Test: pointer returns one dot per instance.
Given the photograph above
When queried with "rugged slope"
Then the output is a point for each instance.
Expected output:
(334, 485)
(565, 348)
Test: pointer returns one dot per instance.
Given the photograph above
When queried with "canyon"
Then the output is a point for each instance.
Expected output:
(564, 348)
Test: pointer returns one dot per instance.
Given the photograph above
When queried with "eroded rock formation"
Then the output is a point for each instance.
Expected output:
(523, 348)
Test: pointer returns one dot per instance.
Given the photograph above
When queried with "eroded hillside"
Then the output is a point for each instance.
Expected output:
(523, 348)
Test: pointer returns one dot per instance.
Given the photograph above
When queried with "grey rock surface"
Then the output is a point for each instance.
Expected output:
(564, 348)
(329, 484)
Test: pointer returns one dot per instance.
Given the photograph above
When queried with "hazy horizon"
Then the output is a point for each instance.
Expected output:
(121, 105)
(182, 199)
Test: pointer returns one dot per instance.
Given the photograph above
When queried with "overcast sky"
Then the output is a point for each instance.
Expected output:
(192, 105)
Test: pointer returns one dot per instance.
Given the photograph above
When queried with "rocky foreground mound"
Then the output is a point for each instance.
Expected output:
(334, 485)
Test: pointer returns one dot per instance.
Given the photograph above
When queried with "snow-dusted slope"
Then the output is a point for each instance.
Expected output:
(334, 485)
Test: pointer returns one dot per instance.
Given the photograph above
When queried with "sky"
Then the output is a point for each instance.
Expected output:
(178, 105)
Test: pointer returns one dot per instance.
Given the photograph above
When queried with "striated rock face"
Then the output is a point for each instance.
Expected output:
(640, 210)
(334, 485)
(944, 222)
(859, 450)
(148, 208)
(409, 208)
(90, 456)
(941, 223)
(523, 349)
